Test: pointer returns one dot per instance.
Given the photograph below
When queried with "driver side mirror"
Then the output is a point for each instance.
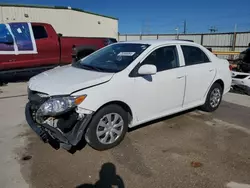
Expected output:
(147, 70)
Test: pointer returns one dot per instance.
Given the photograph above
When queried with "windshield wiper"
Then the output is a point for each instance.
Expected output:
(89, 67)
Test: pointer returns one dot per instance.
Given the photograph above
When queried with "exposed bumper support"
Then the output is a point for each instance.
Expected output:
(48, 133)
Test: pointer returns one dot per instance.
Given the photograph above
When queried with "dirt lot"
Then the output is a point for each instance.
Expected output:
(191, 149)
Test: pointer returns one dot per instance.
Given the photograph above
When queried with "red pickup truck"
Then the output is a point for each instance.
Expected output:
(52, 50)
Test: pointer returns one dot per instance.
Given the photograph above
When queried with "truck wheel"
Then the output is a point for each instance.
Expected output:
(213, 99)
(84, 53)
(107, 127)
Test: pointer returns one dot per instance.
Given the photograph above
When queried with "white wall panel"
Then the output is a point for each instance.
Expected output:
(145, 37)
(133, 37)
(195, 38)
(217, 40)
(66, 21)
(122, 38)
(166, 36)
(243, 39)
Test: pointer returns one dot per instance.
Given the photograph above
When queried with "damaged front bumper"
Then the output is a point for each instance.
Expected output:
(241, 82)
(50, 134)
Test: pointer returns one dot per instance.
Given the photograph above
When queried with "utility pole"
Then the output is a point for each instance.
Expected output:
(234, 38)
(235, 28)
(177, 33)
(142, 27)
(145, 28)
(185, 27)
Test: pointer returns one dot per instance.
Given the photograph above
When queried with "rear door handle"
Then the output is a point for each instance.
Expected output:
(179, 77)
(211, 70)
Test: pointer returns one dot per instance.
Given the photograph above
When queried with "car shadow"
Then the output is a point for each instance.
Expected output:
(19, 77)
(107, 178)
(80, 146)
(83, 143)
(15, 80)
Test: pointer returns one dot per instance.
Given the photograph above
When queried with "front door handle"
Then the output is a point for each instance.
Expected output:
(179, 77)
(211, 70)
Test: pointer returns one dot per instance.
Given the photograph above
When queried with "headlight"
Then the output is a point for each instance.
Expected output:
(58, 105)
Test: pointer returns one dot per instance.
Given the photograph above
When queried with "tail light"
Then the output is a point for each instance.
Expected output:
(230, 67)
(73, 52)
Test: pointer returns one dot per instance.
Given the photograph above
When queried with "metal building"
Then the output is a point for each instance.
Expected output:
(66, 20)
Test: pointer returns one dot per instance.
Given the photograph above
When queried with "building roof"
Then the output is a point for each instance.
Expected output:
(53, 7)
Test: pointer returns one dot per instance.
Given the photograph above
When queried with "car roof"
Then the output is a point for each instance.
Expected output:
(160, 41)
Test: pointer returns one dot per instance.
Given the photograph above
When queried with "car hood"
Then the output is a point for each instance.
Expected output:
(66, 80)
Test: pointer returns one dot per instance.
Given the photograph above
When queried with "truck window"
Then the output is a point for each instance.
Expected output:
(39, 32)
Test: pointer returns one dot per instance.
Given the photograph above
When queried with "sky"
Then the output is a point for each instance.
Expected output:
(164, 16)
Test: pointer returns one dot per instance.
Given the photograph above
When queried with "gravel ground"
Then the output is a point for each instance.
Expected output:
(191, 149)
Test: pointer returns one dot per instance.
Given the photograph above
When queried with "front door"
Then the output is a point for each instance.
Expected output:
(162, 93)
(48, 47)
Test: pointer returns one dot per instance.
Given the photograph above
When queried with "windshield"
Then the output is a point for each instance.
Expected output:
(113, 58)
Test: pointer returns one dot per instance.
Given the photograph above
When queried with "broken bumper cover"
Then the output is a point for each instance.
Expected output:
(48, 133)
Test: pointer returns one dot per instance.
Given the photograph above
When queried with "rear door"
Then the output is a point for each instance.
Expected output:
(47, 47)
(200, 73)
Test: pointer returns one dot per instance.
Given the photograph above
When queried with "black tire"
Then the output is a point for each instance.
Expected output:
(84, 53)
(207, 107)
(91, 135)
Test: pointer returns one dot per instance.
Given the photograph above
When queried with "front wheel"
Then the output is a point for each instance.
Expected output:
(107, 127)
(213, 99)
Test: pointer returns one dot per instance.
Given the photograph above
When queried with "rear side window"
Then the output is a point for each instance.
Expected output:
(39, 32)
(194, 55)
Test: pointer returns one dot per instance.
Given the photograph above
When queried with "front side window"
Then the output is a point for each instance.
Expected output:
(194, 55)
(163, 58)
(113, 58)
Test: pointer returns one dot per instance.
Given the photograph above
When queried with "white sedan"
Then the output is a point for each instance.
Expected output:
(121, 86)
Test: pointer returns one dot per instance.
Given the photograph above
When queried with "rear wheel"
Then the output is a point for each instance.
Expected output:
(107, 127)
(213, 99)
